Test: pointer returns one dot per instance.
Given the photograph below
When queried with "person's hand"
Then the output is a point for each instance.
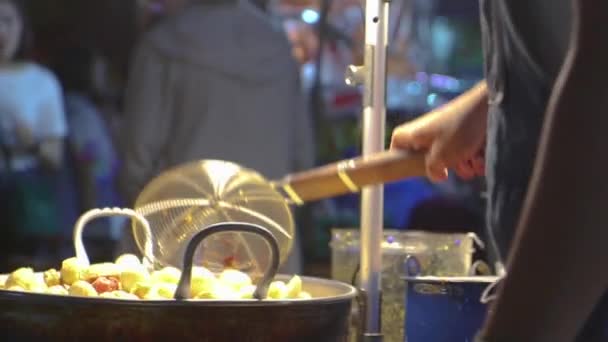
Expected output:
(452, 137)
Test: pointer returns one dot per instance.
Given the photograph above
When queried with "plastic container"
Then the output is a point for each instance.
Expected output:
(436, 254)
(404, 253)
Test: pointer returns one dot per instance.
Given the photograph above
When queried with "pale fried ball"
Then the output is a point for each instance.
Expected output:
(246, 292)
(128, 260)
(52, 277)
(124, 295)
(277, 290)
(71, 270)
(131, 276)
(83, 289)
(37, 286)
(202, 281)
(57, 290)
(105, 269)
(160, 291)
(294, 287)
(23, 277)
(219, 292)
(166, 290)
(107, 295)
(234, 279)
(141, 289)
(169, 275)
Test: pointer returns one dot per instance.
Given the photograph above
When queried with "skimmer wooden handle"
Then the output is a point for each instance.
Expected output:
(349, 176)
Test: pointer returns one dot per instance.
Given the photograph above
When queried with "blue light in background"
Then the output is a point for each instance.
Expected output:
(413, 88)
(431, 100)
(445, 83)
(310, 16)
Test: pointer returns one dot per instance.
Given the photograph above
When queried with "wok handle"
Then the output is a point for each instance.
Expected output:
(92, 214)
(349, 176)
(183, 287)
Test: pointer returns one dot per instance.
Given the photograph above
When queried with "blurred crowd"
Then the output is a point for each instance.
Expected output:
(72, 140)
(59, 129)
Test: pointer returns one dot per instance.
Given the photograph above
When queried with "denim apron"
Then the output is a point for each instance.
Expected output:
(519, 91)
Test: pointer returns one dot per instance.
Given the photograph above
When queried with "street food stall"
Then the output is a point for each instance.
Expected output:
(212, 234)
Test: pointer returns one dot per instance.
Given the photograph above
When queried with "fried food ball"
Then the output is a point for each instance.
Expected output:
(37, 286)
(105, 269)
(71, 270)
(203, 280)
(169, 275)
(141, 289)
(234, 279)
(26, 278)
(131, 276)
(106, 284)
(246, 292)
(83, 289)
(109, 295)
(161, 291)
(23, 277)
(166, 290)
(57, 290)
(294, 287)
(129, 279)
(128, 260)
(52, 277)
(219, 292)
(124, 295)
(277, 290)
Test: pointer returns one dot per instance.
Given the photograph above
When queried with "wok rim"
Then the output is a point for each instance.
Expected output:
(349, 293)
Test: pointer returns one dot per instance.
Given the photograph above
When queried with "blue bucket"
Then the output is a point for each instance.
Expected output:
(444, 309)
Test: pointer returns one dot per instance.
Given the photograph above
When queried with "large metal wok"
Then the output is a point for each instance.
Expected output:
(44, 317)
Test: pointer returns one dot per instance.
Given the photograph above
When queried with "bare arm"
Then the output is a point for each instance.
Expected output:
(453, 135)
(556, 271)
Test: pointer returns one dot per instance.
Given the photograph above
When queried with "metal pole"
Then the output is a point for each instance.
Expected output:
(374, 122)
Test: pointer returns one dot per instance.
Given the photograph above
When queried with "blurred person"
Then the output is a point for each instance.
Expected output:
(83, 74)
(32, 132)
(215, 81)
(541, 112)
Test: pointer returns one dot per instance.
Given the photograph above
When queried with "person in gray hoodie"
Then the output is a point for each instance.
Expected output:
(216, 80)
